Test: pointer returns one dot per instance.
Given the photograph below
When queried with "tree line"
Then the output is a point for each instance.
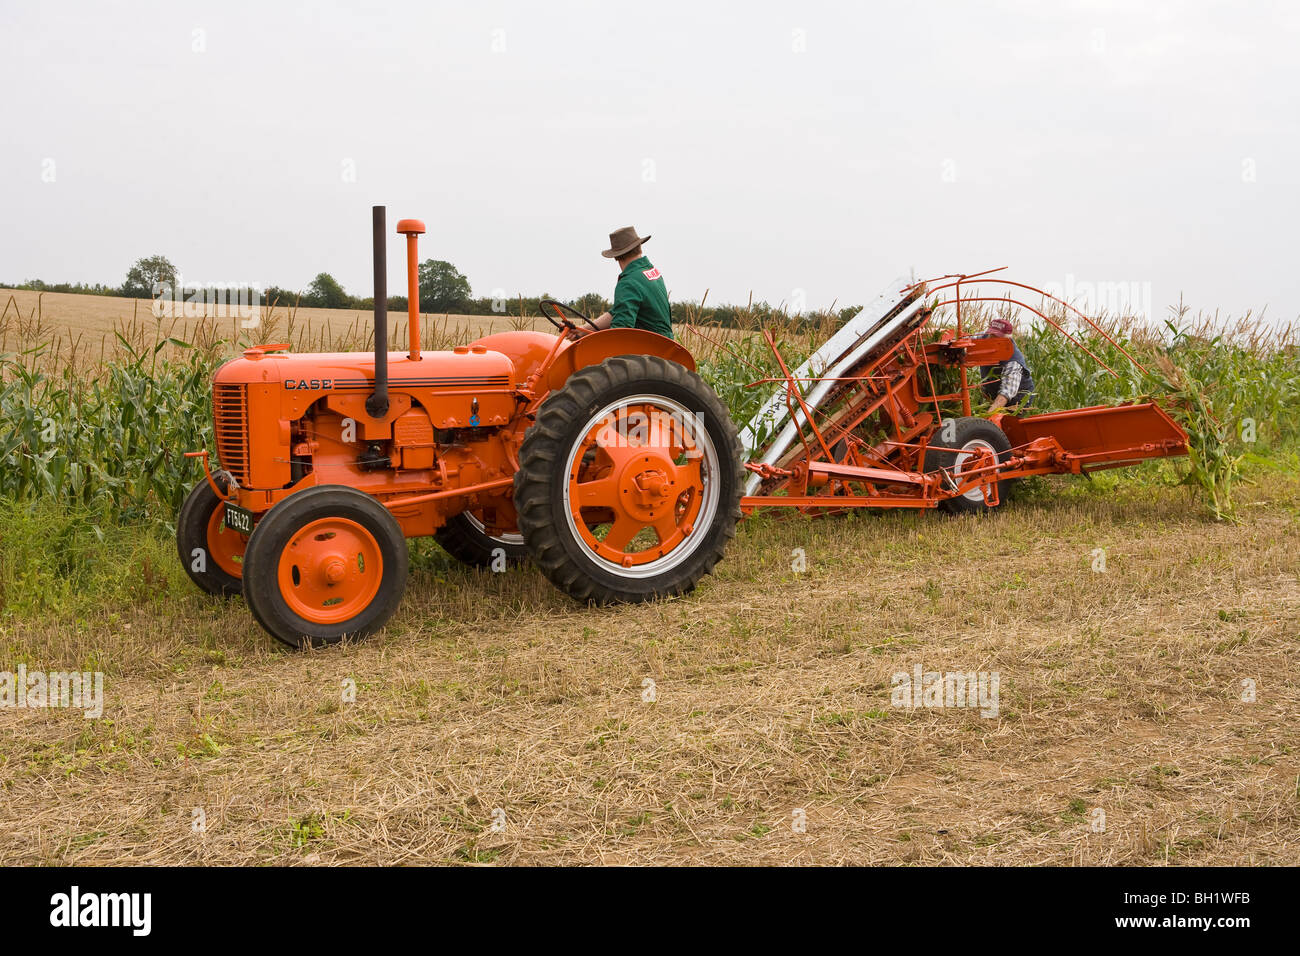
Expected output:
(443, 289)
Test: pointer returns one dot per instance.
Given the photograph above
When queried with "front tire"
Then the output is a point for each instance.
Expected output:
(628, 486)
(211, 553)
(326, 563)
(970, 436)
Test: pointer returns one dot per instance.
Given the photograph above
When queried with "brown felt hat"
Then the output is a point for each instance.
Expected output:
(622, 241)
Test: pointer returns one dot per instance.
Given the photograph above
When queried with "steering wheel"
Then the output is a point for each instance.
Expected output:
(555, 313)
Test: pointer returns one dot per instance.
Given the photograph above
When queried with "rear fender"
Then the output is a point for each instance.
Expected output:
(594, 348)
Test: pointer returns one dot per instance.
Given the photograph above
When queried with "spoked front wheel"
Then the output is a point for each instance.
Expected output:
(326, 563)
(628, 486)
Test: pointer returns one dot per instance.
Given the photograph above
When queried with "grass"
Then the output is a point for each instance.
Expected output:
(1120, 691)
(494, 721)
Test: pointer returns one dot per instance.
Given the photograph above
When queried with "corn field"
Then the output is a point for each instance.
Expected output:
(1234, 389)
(107, 438)
(112, 444)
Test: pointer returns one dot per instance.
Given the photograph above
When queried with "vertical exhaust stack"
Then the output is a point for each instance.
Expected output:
(377, 403)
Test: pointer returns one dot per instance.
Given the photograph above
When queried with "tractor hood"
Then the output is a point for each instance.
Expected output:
(327, 372)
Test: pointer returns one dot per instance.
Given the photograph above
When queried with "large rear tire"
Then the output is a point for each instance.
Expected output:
(466, 540)
(969, 436)
(211, 553)
(326, 563)
(628, 486)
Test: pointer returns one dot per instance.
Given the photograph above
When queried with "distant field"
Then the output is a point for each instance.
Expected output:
(84, 325)
(94, 318)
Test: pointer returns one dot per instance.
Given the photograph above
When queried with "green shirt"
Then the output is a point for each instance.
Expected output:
(641, 300)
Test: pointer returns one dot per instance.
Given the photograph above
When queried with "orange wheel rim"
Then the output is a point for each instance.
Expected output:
(225, 546)
(330, 570)
(636, 485)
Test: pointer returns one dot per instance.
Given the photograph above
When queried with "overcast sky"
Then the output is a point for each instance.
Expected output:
(795, 150)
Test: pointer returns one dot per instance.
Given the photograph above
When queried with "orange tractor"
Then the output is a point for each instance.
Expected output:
(604, 458)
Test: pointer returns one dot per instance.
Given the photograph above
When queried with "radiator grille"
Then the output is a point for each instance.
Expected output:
(230, 420)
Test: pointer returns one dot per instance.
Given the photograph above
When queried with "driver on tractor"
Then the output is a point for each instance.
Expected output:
(640, 296)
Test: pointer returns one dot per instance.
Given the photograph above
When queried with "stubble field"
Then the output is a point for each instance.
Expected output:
(1145, 715)
(496, 721)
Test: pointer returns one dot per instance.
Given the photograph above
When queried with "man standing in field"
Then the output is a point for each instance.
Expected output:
(1008, 384)
(640, 296)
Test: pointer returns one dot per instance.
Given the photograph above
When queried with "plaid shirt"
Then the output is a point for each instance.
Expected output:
(1011, 374)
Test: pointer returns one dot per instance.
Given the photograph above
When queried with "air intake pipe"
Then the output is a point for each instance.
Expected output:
(377, 403)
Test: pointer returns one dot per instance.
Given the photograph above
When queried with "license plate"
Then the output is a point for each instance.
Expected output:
(238, 519)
